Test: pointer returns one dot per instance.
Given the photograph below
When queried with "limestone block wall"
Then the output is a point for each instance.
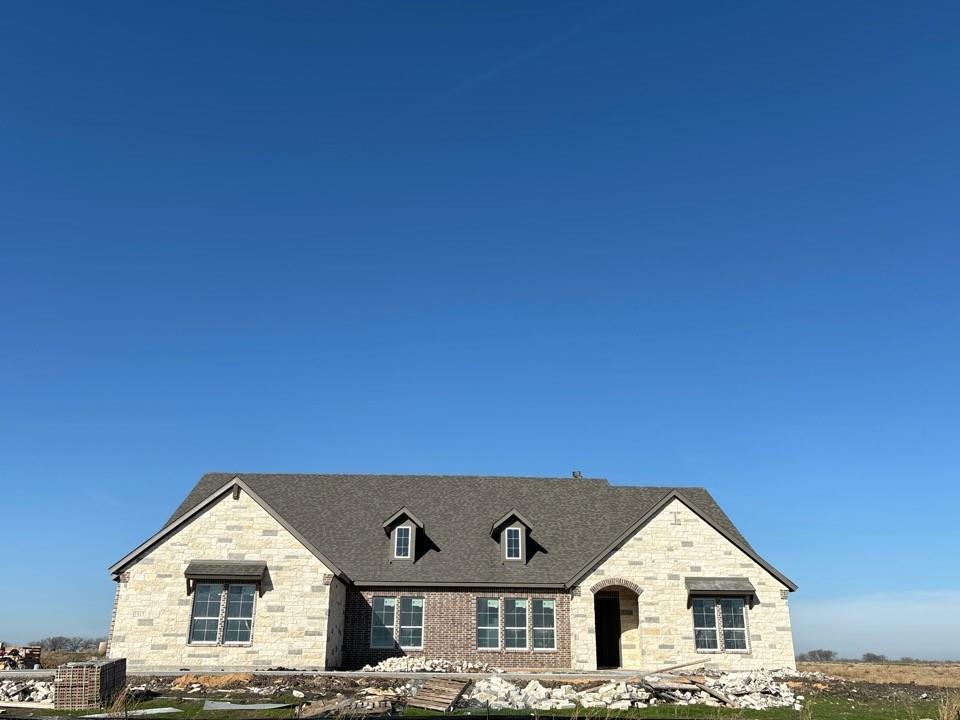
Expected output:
(335, 620)
(673, 545)
(298, 622)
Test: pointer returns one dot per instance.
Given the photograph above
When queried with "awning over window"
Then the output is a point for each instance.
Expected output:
(249, 571)
(720, 586)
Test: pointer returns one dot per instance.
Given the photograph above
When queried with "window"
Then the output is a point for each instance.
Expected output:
(234, 603)
(488, 624)
(705, 623)
(515, 623)
(544, 625)
(205, 625)
(720, 624)
(513, 543)
(401, 547)
(411, 622)
(381, 628)
(239, 614)
(734, 624)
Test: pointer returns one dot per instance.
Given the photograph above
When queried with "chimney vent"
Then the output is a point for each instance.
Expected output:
(577, 474)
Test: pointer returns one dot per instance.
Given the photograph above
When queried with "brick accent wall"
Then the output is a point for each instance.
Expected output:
(449, 627)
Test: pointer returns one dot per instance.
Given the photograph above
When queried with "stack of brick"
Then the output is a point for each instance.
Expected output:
(82, 685)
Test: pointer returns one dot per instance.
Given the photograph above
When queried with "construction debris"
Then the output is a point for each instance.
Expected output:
(419, 664)
(439, 694)
(23, 691)
(755, 690)
(19, 658)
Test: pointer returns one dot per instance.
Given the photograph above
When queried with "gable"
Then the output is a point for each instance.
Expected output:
(231, 509)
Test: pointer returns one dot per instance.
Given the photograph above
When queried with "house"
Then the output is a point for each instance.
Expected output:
(336, 571)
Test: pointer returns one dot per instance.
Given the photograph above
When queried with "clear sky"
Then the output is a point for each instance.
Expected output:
(709, 243)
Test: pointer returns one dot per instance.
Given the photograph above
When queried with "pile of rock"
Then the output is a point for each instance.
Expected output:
(753, 690)
(417, 664)
(499, 694)
(26, 691)
(19, 658)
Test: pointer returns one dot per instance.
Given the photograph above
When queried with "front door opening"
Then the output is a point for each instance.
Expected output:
(606, 609)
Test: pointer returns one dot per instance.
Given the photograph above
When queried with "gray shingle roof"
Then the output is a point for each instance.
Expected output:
(574, 521)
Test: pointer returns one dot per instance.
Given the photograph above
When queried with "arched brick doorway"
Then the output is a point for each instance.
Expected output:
(616, 613)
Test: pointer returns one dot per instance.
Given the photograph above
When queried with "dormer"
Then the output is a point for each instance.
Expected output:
(402, 528)
(512, 532)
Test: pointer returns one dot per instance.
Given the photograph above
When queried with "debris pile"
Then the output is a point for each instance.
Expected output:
(754, 690)
(419, 664)
(26, 691)
(19, 658)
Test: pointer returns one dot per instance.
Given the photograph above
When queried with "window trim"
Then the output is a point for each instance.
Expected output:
(478, 627)
(396, 542)
(534, 628)
(506, 548)
(393, 626)
(222, 616)
(718, 627)
(227, 617)
(422, 625)
(525, 627)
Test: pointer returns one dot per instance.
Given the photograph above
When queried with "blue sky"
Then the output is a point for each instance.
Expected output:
(697, 244)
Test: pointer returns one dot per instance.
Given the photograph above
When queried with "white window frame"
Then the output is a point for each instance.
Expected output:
(392, 627)
(194, 616)
(222, 616)
(396, 542)
(723, 629)
(525, 627)
(422, 625)
(718, 627)
(227, 617)
(480, 627)
(533, 623)
(519, 555)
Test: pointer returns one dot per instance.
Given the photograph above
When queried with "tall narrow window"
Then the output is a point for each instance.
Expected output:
(734, 624)
(239, 614)
(411, 622)
(515, 623)
(488, 623)
(381, 627)
(513, 543)
(205, 624)
(705, 623)
(544, 625)
(401, 547)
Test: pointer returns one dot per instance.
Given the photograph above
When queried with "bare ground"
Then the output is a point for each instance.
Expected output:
(932, 674)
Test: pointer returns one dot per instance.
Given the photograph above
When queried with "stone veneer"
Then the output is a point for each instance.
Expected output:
(675, 544)
(450, 625)
(290, 626)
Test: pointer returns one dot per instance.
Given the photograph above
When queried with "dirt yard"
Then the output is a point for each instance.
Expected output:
(945, 675)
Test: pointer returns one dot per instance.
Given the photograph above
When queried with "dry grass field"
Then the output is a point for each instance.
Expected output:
(930, 674)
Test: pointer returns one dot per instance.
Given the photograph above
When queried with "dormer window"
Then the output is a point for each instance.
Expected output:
(401, 542)
(514, 543)
(403, 529)
(512, 531)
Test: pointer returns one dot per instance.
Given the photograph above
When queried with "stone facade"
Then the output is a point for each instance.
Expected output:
(298, 621)
(675, 544)
(449, 628)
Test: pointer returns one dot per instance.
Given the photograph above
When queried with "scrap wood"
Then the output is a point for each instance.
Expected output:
(715, 693)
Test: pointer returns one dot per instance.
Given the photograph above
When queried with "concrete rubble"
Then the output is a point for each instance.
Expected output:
(754, 690)
(40, 691)
(417, 664)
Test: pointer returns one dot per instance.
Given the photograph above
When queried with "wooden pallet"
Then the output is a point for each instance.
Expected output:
(438, 694)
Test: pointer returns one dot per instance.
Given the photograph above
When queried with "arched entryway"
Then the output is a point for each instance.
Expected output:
(616, 614)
